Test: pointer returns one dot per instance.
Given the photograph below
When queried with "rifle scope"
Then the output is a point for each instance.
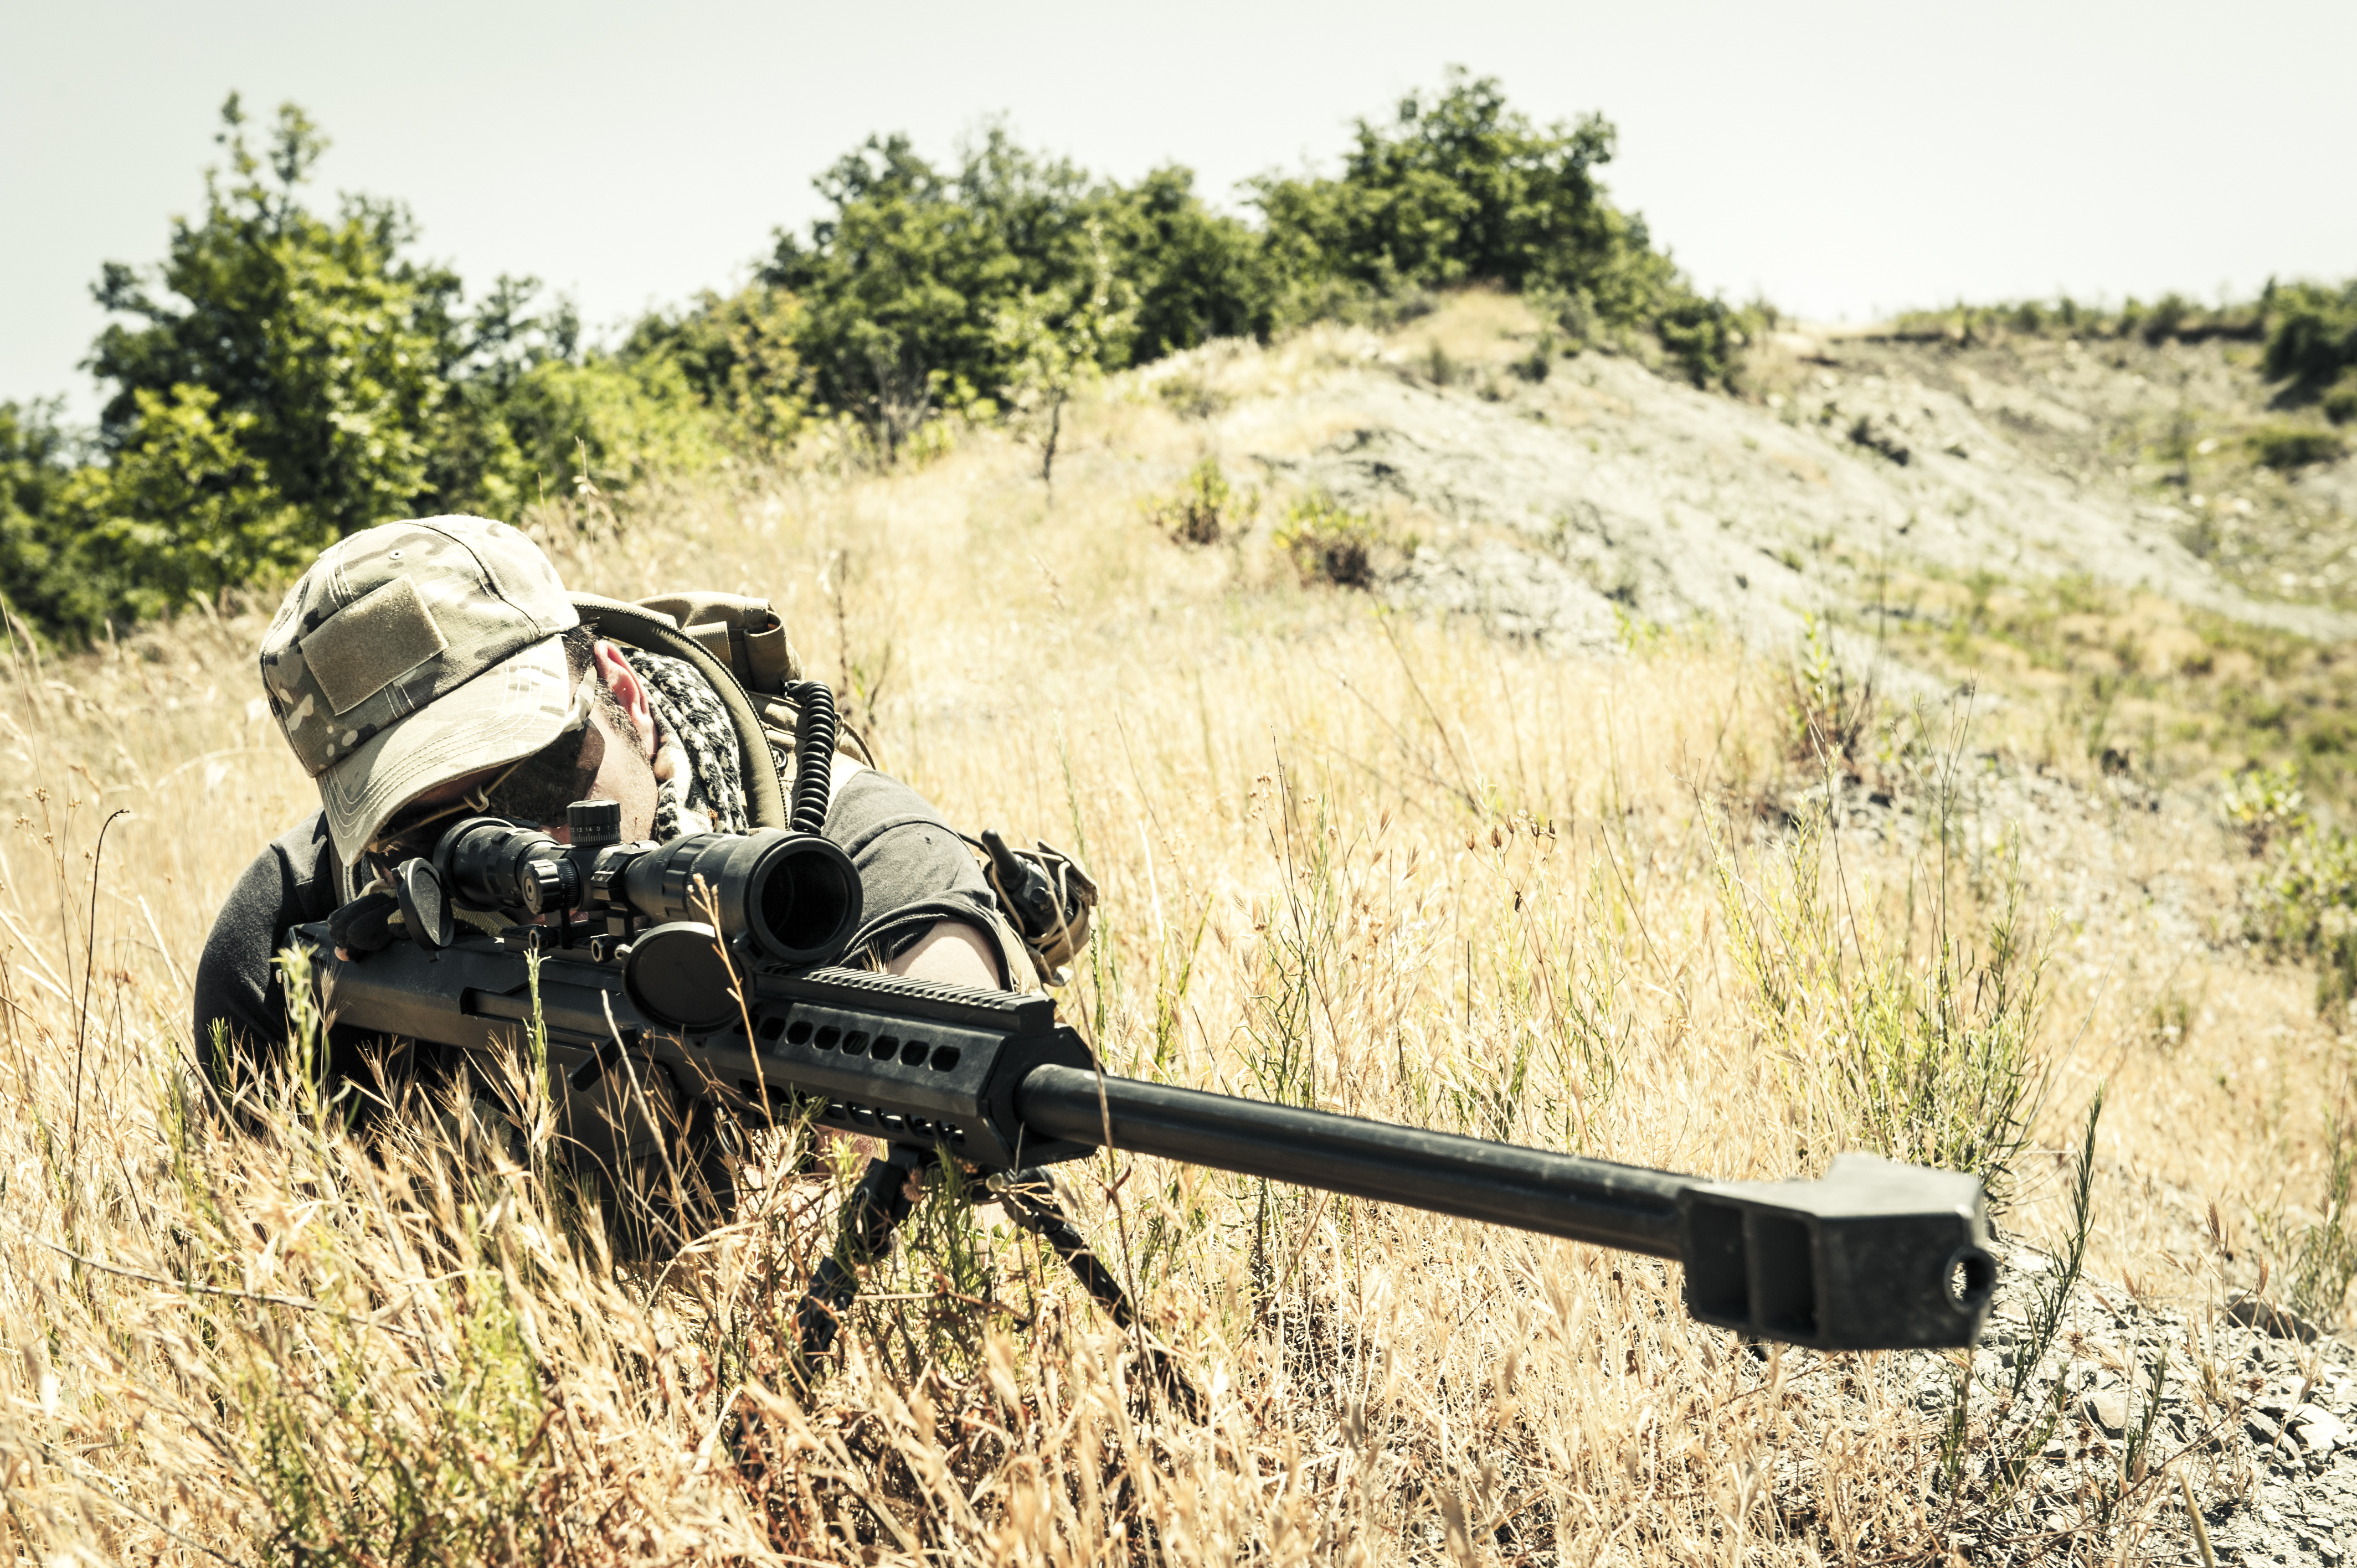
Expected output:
(795, 898)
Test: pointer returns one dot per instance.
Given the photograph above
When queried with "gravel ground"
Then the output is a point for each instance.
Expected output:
(2258, 1410)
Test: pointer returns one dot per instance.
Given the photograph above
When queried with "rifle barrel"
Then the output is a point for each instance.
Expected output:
(1501, 1184)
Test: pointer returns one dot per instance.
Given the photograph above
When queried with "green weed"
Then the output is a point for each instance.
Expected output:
(1933, 1058)
(1329, 543)
(2319, 1253)
(1205, 508)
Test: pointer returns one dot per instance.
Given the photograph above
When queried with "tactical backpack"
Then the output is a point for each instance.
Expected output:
(741, 647)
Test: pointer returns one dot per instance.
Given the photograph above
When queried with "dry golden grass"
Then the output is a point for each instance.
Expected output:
(1389, 868)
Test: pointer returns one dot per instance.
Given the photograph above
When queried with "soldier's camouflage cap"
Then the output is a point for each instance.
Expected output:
(414, 653)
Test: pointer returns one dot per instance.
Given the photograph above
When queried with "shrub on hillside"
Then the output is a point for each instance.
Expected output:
(2340, 402)
(2170, 318)
(1204, 509)
(1195, 275)
(2311, 334)
(35, 462)
(1329, 543)
(904, 282)
(740, 354)
(324, 348)
(2302, 904)
(1460, 188)
(2293, 446)
(187, 509)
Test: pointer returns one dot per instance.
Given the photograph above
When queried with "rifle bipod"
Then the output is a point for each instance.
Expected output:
(881, 1203)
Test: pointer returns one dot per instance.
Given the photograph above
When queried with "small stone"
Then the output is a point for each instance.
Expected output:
(2108, 1410)
(2319, 1430)
(2276, 1322)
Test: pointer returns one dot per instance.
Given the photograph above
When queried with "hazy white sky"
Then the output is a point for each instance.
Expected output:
(1843, 159)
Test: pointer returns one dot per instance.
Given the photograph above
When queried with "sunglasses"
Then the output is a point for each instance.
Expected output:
(534, 789)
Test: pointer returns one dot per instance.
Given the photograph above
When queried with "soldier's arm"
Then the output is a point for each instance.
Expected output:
(237, 984)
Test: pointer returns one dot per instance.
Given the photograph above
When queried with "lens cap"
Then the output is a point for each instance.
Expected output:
(677, 977)
(425, 903)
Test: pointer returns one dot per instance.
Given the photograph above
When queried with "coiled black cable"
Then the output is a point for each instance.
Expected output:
(813, 755)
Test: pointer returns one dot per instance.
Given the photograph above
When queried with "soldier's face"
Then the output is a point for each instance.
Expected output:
(626, 773)
(611, 759)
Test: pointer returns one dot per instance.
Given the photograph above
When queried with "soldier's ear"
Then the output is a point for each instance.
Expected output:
(629, 692)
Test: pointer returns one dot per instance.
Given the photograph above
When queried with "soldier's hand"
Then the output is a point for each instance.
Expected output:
(367, 924)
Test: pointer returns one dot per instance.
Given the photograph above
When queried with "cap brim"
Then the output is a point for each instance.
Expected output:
(505, 714)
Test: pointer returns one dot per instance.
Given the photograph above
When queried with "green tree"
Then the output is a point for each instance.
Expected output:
(327, 352)
(1054, 346)
(1197, 274)
(185, 509)
(903, 282)
(741, 354)
(36, 463)
(626, 419)
(1458, 188)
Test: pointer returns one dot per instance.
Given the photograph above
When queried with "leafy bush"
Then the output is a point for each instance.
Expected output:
(36, 463)
(1204, 509)
(2311, 334)
(1329, 543)
(2172, 317)
(904, 284)
(2293, 446)
(2340, 401)
(1196, 275)
(321, 348)
(2304, 906)
(1056, 344)
(740, 354)
(2263, 804)
(186, 509)
(1460, 188)
(2319, 1254)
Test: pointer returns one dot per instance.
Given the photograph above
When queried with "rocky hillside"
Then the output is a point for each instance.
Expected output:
(1544, 494)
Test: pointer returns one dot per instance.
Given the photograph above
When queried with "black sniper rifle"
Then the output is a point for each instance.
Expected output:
(1878, 1255)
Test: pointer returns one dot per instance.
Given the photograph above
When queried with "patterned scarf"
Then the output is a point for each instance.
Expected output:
(699, 785)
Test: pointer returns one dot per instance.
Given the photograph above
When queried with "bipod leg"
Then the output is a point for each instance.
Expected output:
(870, 1215)
(1030, 1200)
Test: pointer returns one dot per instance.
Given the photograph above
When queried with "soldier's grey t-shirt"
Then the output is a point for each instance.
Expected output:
(913, 871)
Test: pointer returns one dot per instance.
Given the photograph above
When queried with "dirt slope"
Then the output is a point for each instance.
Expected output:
(1542, 505)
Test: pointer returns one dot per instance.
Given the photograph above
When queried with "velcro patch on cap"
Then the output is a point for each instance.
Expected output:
(360, 650)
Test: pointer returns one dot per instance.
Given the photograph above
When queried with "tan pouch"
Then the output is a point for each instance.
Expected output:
(743, 633)
(746, 635)
(1053, 937)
